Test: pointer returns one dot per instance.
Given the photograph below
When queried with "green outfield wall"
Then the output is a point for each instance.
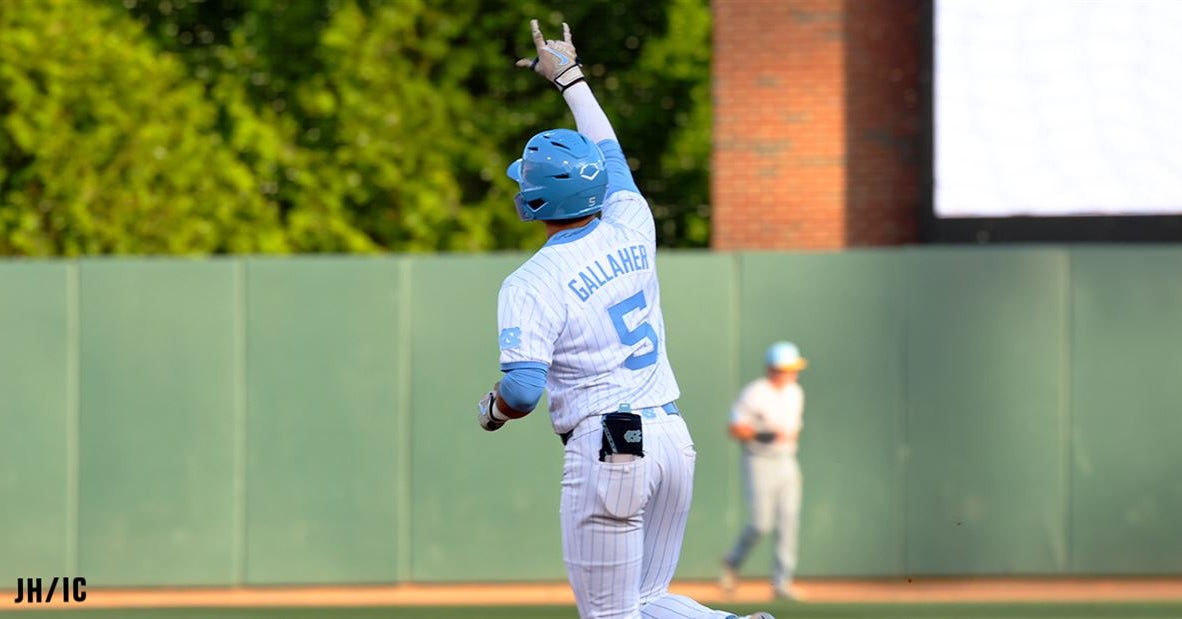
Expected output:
(970, 411)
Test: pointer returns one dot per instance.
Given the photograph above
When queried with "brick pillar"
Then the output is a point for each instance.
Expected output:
(816, 123)
(883, 121)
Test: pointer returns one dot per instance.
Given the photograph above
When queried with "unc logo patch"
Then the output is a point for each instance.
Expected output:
(589, 171)
(510, 338)
(632, 436)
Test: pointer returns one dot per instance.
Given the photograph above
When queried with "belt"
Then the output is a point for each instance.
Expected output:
(647, 413)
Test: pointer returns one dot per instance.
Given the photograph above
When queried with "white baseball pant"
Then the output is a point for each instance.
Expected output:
(623, 522)
(773, 494)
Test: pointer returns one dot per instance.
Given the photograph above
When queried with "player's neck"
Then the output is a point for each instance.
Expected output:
(780, 382)
(554, 227)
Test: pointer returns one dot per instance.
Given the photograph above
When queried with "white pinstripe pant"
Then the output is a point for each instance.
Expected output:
(623, 523)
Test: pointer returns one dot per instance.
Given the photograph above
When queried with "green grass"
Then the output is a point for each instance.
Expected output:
(781, 611)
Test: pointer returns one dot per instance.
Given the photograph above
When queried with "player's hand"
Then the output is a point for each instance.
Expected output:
(486, 412)
(556, 61)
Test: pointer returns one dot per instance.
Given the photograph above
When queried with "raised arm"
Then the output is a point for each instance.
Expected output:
(593, 123)
(558, 62)
(590, 119)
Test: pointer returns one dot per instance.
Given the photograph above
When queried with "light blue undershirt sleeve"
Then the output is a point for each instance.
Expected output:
(619, 176)
(522, 386)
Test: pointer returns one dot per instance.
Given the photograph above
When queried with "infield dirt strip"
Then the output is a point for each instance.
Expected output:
(749, 591)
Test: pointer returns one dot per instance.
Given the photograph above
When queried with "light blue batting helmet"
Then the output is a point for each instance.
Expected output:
(785, 356)
(562, 176)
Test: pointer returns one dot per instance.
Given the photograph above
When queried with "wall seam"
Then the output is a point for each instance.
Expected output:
(1065, 416)
(240, 439)
(736, 494)
(901, 425)
(73, 418)
(403, 490)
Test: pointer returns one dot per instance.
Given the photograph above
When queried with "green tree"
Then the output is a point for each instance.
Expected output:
(328, 65)
(108, 147)
(189, 126)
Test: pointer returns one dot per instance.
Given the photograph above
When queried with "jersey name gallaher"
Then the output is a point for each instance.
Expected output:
(596, 275)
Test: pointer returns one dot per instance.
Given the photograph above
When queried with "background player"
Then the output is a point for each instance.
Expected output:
(766, 419)
(582, 317)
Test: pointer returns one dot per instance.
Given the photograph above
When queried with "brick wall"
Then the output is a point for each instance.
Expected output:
(817, 127)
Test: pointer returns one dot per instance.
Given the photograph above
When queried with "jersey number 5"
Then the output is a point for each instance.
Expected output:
(632, 337)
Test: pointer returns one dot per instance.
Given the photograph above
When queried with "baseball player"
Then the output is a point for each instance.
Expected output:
(766, 419)
(582, 318)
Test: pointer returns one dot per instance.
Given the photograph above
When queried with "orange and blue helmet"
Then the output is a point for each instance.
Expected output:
(785, 356)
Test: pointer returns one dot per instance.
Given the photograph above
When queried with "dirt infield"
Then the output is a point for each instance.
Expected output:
(750, 591)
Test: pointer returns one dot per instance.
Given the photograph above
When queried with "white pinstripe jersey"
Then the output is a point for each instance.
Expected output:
(764, 407)
(587, 306)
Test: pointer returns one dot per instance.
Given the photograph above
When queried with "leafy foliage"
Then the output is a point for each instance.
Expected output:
(181, 126)
(109, 148)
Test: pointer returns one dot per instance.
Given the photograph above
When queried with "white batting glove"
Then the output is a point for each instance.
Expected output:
(557, 61)
(486, 412)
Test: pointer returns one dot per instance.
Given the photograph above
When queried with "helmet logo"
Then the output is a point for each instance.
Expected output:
(589, 171)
